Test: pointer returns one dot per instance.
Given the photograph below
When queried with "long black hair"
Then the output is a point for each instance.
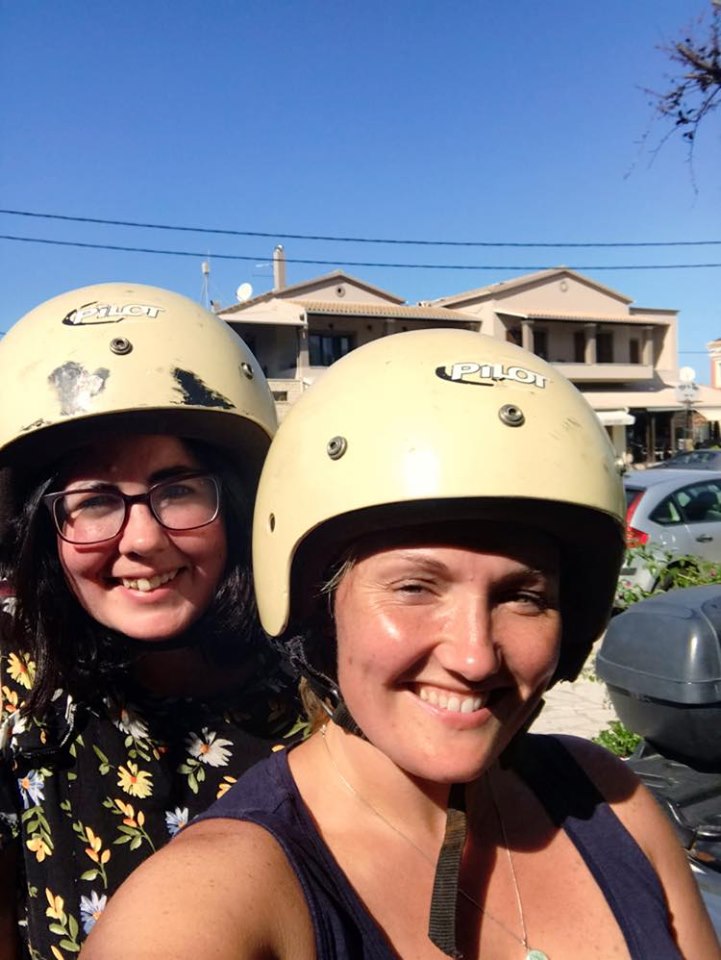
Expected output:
(73, 651)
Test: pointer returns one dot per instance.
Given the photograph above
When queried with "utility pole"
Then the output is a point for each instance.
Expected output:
(686, 393)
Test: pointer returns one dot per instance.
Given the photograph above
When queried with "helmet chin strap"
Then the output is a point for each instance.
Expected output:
(444, 900)
(322, 685)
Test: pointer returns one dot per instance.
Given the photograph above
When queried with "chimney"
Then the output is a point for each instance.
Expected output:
(279, 267)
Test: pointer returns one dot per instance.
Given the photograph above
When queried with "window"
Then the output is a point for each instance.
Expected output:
(326, 348)
(579, 346)
(634, 351)
(604, 348)
(540, 343)
(700, 502)
(666, 513)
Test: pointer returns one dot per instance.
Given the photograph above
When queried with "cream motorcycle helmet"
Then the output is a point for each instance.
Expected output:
(132, 358)
(432, 425)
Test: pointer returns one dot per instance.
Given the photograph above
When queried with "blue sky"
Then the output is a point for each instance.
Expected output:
(496, 120)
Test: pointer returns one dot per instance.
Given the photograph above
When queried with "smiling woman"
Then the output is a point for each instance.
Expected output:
(134, 684)
(429, 611)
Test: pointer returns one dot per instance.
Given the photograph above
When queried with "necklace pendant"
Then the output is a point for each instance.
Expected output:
(537, 955)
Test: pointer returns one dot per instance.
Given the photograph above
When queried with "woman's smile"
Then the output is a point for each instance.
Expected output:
(147, 582)
(452, 702)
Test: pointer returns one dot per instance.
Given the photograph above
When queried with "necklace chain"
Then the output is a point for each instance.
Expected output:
(530, 954)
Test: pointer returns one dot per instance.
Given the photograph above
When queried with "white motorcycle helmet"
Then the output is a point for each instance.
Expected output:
(126, 357)
(437, 424)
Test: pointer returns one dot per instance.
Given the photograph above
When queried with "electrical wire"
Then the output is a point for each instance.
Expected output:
(356, 263)
(402, 242)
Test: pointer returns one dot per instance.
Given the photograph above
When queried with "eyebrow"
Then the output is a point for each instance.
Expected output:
(167, 473)
(439, 567)
(179, 471)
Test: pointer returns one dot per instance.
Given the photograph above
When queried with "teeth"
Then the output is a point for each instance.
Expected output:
(453, 703)
(146, 584)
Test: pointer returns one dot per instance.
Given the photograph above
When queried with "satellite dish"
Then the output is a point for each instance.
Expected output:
(244, 292)
(687, 374)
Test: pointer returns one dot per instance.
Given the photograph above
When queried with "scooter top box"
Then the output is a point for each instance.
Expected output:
(661, 660)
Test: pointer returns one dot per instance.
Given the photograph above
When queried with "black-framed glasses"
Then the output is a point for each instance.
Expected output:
(95, 514)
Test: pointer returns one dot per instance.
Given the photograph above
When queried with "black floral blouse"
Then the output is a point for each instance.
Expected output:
(89, 793)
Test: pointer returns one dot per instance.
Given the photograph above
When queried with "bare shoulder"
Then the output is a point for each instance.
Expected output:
(639, 812)
(622, 790)
(613, 777)
(223, 889)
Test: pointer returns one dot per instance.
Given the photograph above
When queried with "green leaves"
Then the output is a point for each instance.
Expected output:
(667, 572)
(618, 739)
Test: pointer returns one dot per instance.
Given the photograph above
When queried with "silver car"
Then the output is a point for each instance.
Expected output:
(691, 460)
(670, 514)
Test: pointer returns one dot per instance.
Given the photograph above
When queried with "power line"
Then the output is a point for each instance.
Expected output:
(307, 236)
(355, 263)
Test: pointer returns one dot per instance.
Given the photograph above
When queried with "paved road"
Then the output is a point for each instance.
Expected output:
(581, 708)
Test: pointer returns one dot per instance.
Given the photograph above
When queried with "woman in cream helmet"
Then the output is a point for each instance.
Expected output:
(135, 685)
(437, 536)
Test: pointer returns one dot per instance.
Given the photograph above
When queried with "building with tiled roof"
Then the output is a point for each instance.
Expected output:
(623, 358)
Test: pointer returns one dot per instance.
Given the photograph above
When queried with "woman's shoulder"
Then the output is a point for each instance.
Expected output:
(576, 763)
(221, 887)
(607, 771)
(620, 788)
(17, 666)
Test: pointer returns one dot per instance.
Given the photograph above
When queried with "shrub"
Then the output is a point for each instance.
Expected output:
(668, 571)
(618, 739)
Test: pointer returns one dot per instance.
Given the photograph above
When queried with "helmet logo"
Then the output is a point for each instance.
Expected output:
(109, 313)
(77, 386)
(483, 374)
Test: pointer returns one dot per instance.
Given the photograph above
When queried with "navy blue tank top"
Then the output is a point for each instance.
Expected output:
(267, 795)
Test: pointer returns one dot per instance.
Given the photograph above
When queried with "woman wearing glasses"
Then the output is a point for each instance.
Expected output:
(134, 685)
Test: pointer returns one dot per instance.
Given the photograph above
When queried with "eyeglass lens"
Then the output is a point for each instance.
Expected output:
(89, 516)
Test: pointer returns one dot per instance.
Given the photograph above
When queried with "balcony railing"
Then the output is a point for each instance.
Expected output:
(608, 372)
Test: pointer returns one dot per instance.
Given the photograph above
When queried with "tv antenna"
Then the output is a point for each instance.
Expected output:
(244, 292)
(205, 290)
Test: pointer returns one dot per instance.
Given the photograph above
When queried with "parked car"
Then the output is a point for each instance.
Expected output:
(670, 514)
(691, 460)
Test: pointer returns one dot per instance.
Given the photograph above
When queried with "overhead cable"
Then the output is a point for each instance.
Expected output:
(332, 239)
(355, 263)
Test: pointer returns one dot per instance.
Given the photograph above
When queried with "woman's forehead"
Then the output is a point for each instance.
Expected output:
(519, 541)
(114, 456)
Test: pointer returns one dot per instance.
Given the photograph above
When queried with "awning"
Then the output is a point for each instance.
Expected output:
(709, 413)
(274, 313)
(615, 418)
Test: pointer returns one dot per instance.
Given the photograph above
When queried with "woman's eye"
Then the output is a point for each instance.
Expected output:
(177, 491)
(530, 599)
(412, 588)
(91, 503)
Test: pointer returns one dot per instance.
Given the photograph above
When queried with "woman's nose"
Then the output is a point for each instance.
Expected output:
(141, 532)
(469, 647)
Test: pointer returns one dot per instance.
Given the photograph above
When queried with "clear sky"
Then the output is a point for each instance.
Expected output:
(505, 121)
